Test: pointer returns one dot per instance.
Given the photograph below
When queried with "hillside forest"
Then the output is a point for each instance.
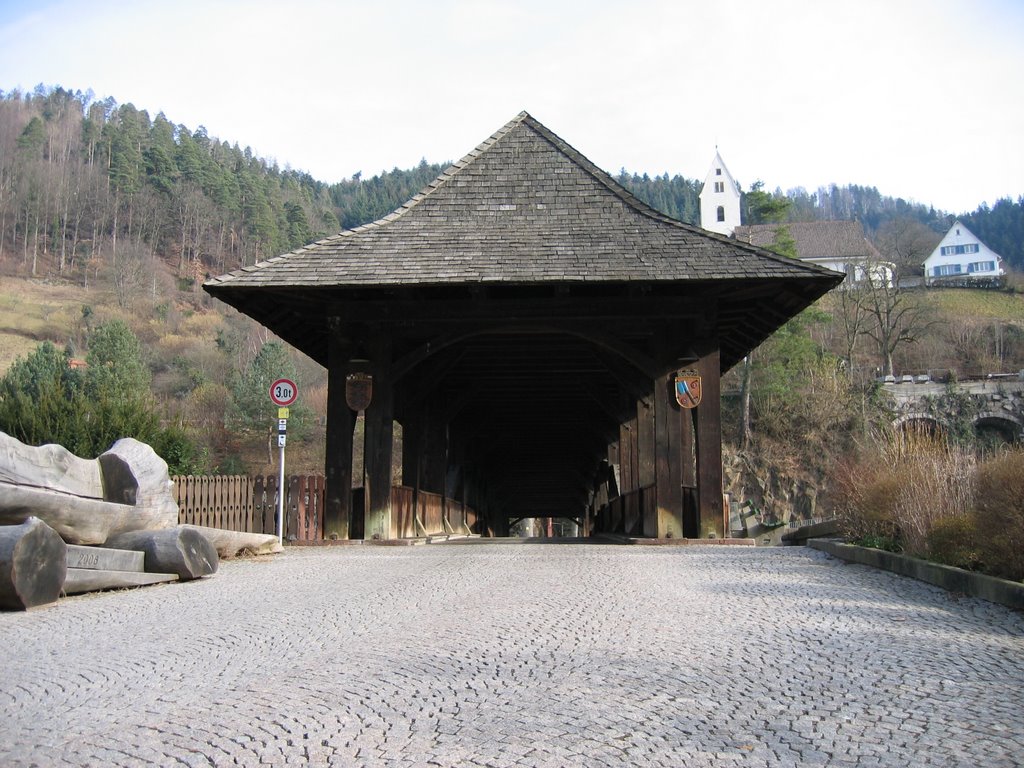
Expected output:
(110, 220)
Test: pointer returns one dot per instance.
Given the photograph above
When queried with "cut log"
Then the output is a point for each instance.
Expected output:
(33, 565)
(180, 550)
(234, 543)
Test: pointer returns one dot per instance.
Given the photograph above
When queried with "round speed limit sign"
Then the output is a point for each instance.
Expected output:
(283, 392)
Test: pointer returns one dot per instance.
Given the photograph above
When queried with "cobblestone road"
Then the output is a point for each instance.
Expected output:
(492, 654)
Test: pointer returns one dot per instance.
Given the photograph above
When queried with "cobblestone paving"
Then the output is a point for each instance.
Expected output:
(492, 654)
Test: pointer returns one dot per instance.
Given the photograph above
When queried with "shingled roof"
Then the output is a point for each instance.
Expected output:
(524, 214)
(815, 239)
(524, 207)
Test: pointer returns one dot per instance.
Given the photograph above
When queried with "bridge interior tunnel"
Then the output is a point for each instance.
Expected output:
(523, 416)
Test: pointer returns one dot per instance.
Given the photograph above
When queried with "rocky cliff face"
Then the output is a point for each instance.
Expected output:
(776, 494)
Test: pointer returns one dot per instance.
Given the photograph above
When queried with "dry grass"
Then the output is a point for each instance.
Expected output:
(938, 501)
(901, 493)
(32, 311)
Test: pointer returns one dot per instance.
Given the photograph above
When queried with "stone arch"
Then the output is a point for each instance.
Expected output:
(999, 426)
(921, 421)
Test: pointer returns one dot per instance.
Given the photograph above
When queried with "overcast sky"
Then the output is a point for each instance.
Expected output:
(920, 98)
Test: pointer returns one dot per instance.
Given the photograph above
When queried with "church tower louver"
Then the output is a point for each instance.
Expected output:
(719, 199)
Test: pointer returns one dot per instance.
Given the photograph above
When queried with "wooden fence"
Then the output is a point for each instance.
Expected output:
(249, 504)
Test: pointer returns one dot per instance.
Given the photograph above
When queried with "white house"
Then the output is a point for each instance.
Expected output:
(960, 256)
(720, 199)
(837, 245)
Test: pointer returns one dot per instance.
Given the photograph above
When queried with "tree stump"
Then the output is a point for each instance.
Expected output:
(33, 565)
(180, 550)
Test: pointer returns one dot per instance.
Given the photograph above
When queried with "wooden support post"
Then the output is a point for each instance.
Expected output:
(627, 475)
(645, 460)
(341, 422)
(379, 443)
(687, 430)
(668, 459)
(709, 446)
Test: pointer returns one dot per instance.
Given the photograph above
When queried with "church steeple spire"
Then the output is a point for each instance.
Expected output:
(719, 199)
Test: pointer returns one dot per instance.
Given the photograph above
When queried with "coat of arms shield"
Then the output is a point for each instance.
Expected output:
(688, 389)
(358, 391)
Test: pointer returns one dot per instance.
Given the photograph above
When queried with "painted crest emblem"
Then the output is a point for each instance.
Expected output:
(358, 391)
(688, 389)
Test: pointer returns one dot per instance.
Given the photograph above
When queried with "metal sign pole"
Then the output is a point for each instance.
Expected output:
(283, 393)
(280, 492)
(282, 432)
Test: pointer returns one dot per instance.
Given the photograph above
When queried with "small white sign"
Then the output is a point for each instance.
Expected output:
(282, 425)
(281, 440)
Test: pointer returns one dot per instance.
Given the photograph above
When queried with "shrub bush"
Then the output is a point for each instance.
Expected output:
(999, 515)
(954, 541)
(904, 488)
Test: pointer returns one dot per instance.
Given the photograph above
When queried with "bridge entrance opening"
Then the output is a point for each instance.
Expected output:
(529, 413)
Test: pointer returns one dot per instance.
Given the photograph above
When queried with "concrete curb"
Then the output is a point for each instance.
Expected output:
(1008, 593)
(618, 538)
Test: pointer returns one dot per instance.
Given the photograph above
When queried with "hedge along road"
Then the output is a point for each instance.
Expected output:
(495, 654)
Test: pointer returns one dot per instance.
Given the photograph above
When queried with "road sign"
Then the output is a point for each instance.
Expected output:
(283, 392)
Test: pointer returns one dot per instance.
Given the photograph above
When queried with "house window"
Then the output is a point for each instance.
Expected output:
(957, 250)
(718, 171)
(721, 213)
(981, 266)
(719, 186)
(946, 270)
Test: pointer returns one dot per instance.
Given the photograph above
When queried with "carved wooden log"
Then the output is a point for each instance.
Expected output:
(233, 543)
(134, 474)
(48, 466)
(181, 550)
(77, 520)
(86, 502)
(33, 565)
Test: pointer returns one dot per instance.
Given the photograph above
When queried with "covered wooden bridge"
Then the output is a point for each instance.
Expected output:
(547, 341)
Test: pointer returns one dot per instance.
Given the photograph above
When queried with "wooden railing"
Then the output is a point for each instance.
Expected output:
(249, 504)
(626, 513)
(428, 514)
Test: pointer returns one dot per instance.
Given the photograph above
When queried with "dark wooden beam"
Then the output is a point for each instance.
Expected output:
(709, 445)
(667, 459)
(379, 441)
(338, 455)
(646, 444)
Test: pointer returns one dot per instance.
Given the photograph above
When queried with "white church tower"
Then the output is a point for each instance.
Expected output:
(720, 199)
